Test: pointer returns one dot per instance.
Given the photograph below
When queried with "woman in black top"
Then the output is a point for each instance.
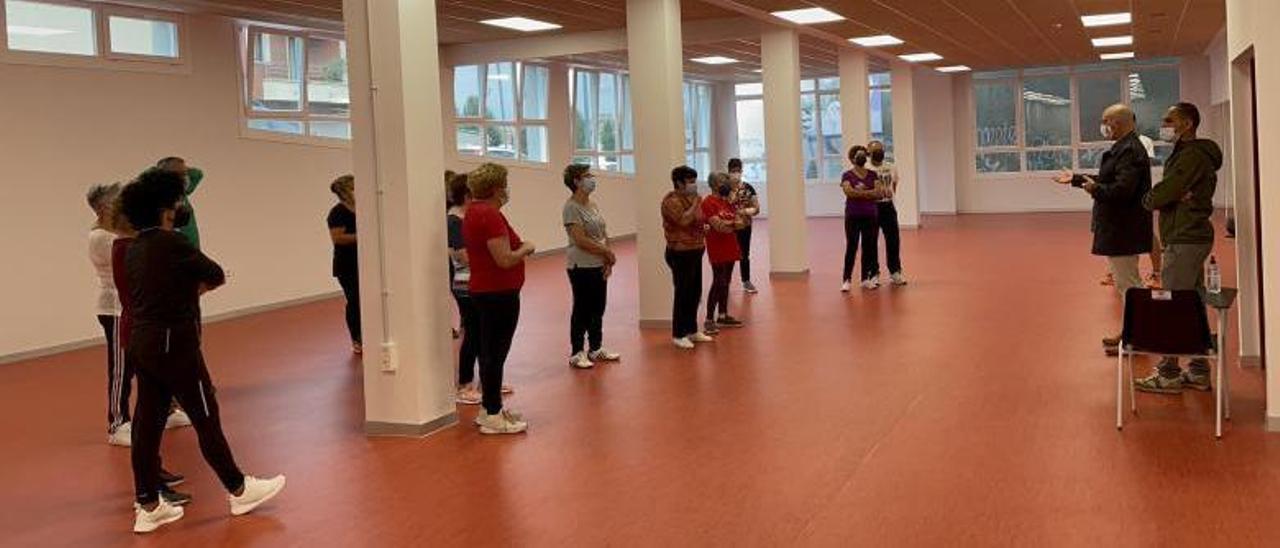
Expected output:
(342, 229)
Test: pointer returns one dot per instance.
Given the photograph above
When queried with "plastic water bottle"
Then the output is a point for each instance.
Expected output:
(1213, 276)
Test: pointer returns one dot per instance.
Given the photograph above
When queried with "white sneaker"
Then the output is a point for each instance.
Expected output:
(177, 419)
(146, 522)
(845, 287)
(123, 436)
(468, 395)
(871, 284)
(897, 278)
(505, 422)
(580, 361)
(701, 337)
(603, 355)
(255, 492)
(683, 343)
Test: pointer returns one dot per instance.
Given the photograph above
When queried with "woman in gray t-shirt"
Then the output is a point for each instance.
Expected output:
(590, 262)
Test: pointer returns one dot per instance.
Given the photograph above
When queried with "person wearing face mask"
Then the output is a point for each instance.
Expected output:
(746, 201)
(590, 263)
(862, 191)
(166, 277)
(346, 267)
(685, 232)
(497, 256)
(1121, 227)
(887, 214)
(1184, 200)
(192, 177)
(723, 221)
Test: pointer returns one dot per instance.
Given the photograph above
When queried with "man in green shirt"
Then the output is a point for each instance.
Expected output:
(193, 176)
(1184, 199)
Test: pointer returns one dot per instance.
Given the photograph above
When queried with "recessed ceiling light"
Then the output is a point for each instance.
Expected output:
(1114, 56)
(521, 24)
(715, 60)
(757, 71)
(1112, 41)
(954, 68)
(1106, 19)
(809, 16)
(876, 41)
(920, 57)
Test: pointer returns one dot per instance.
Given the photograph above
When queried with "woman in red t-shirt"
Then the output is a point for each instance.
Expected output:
(497, 257)
(722, 250)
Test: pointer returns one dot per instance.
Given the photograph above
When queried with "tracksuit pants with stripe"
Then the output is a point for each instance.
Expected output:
(119, 374)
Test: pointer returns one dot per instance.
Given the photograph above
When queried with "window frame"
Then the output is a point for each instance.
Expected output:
(248, 33)
(762, 160)
(693, 150)
(518, 124)
(103, 56)
(815, 89)
(622, 94)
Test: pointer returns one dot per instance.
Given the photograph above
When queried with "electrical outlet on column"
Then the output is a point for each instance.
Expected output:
(390, 357)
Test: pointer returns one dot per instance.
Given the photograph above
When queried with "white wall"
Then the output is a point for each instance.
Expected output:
(261, 208)
(935, 142)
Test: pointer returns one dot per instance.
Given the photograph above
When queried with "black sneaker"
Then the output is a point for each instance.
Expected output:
(171, 479)
(749, 287)
(175, 498)
(729, 321)
(710, 327)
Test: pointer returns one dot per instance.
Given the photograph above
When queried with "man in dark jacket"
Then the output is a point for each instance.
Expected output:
(1121, 226)
(1184, 198)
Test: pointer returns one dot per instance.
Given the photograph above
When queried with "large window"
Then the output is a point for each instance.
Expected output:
(1046, 119)
(603, 135)
(697, 127)
(820, 129)
(296, 83)
(101, 32)
(501, 110)
(750, 111)
(881, 110)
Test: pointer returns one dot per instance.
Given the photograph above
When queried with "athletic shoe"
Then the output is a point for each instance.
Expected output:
(505, 422)
(845, 286)
(750, 288)
(709, 327)
(146, 522)
(683, 343)
(870, 284)
(254, 493)
(1197, 381)
(171, 479)
(898, 278)
(507, 390)
(729, 321)
(1111, 342)
(701, 337)
(175, 498)
(122, 437)
(357, 348)
(468, 395)
(1159, 384)
(603, 355)
(580, 361)
(177, 419)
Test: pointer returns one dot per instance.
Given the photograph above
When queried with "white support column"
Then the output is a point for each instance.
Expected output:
(657, 70)
(855, 98)
(398, 155)
(907, 199)
(788, 233)
(1266, 52)
(725, 103)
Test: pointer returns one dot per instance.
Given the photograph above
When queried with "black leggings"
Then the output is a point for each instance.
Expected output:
(169, 365)
(499, 314)
(351, 288)
(686, 276)
(718, 295)
(590, 295)
(469, 350)
(119, 374)
(860, 228)
(744, 244)
(887, 220)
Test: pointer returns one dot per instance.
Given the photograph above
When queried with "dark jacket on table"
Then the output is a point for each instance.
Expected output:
(1121, 226)
(1191, 168)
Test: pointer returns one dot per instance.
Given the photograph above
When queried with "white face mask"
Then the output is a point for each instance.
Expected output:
(1105, 130)
(1168, 134)
(588, 185)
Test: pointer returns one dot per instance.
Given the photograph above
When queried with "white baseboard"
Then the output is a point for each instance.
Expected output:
(1273, 423)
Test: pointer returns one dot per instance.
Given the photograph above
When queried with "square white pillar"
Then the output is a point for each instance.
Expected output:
(398, 151)
(855, 98)
(788, 232)
(907, 199)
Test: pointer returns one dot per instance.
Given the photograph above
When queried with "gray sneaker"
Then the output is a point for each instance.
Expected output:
(1197, 381)
(1159, 384)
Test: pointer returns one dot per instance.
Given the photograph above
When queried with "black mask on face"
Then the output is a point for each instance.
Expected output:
(877, 156)
(182, 216)
(860, 160)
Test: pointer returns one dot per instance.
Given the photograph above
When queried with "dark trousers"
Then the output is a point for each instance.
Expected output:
(170, 365)
(119, 374)
(864, 229)
(744, 244)
(686, 276)
(590, 295)
(351, 288)
(887, 220)
(718, 295)
(469, 350)
(499, 314)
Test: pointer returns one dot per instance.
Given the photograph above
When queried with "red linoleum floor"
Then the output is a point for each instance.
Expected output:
(972, 408)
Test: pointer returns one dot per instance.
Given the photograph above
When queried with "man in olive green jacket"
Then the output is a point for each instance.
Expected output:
(193, 176)
(1184, 198)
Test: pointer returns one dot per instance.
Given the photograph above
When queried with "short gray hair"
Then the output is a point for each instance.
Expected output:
(100, 196)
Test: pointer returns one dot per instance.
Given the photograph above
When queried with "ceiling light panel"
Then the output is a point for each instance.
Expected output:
(1115, 56)
(715, 60)
(1106, 19)
(920, 57)
(1110, 41)
(521, 24)
(954, 68)
(876, 41)
(809, 16)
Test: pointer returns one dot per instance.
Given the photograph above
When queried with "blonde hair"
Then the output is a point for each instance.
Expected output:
(485, 181)
(716, 179)
(343, 185)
